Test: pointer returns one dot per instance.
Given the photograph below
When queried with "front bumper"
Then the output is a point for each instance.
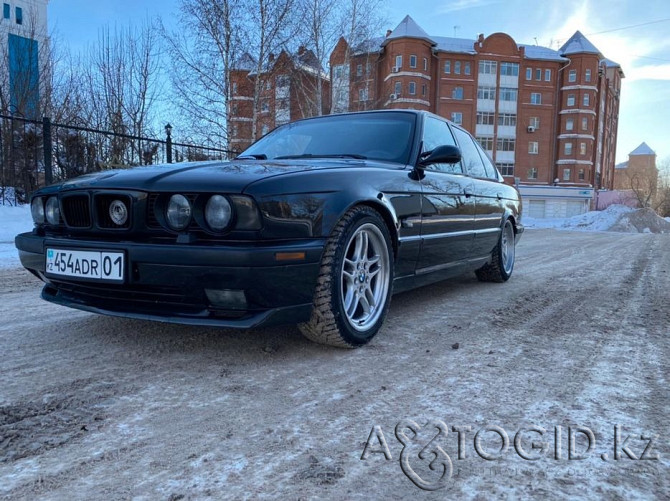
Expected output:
(236, 285)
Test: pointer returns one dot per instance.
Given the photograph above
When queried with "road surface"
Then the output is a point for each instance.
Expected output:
(575, 343)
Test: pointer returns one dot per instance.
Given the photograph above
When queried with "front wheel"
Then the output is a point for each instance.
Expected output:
(353, 290)
(502, 259)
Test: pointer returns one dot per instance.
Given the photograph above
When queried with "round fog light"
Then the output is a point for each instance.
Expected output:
(53, 211)
(37, 210)
(218, 212)
(178, 213)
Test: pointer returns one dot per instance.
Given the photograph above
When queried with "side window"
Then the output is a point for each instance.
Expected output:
(490, 169)
(471, 159)
(436, 133)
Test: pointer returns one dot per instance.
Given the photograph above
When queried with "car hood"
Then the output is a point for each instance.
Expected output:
(232, 176)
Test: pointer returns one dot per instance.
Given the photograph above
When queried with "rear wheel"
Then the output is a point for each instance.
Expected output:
(353, 290)
(502, 259)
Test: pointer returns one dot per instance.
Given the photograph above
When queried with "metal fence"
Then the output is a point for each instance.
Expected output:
(37, 153)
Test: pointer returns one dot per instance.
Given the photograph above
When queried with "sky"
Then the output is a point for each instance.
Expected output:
(635, 34)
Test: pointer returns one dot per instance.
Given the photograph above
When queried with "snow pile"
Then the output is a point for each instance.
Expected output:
(615, 218)
(13, 220)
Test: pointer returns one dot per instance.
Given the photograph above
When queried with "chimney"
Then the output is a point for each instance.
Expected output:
(271, 57)
(388, 32)
(301, 50)
(480, 38)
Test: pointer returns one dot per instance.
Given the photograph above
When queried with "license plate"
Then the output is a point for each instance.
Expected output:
(89, 264)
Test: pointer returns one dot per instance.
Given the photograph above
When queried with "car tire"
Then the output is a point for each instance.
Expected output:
(355, 282)
(502, 258)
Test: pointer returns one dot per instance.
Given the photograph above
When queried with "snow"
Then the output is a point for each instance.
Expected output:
(13, 220)
(589, 221)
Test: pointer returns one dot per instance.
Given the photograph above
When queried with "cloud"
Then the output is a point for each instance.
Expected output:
(649, 72)
(464, 5)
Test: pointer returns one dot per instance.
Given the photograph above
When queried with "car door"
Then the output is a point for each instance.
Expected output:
(489, 207)
(447, 204)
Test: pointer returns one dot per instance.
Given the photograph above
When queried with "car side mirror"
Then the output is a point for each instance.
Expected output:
(445, 154)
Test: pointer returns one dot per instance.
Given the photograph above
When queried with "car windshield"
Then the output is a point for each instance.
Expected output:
(379, 136)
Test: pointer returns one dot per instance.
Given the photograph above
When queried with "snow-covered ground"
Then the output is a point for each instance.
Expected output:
(618, 218)
(13, 220)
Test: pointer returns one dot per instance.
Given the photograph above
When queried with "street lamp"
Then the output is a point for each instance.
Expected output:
(168, 142)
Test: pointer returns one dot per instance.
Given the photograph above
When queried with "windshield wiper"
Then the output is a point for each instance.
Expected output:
(311, 155)
(255, 156)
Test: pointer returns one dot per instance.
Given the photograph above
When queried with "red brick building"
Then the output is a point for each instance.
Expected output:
(289, 86)
(543, 115)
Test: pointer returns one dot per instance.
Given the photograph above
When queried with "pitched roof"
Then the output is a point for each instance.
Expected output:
(542, 53)
(578, 44)
(368, 46)
(408, 29)
(643, 149)
(622, 165)
(245, 62)
(461, 45)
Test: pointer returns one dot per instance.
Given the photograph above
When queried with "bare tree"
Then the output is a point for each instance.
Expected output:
(202, 54)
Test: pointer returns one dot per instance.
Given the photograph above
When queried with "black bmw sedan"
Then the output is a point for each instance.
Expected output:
(318, 223)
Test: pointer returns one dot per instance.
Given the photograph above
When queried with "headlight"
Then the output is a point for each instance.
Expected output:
(37, 210)
(218, 212)
(178, 212)
(53, 211)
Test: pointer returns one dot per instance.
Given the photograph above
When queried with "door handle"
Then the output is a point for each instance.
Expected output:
(500, 196)
(467, 192)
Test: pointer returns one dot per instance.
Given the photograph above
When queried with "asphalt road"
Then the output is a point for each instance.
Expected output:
(575, 343)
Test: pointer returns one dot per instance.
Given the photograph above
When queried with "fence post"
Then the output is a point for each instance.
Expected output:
(47, 145)
(168, 143)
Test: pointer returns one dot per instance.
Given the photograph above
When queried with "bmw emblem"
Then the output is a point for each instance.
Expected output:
(118, 212)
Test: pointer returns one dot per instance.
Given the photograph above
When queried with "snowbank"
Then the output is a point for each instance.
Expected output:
(13, 220)
(618, 218)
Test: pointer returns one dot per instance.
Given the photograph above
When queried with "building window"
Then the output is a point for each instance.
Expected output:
(538, 74)
(572, 76)
(457, 68)
(265, 106)
(535, 122)
(234, 132)
(586, 100)
(582, 148)
(362, 94)
(457, 117)
(508, 94)
(535, 98)
(567, 148)
(423, 90)
(532, 173)
(466, 68)
(397, 88)
(506, 169)
(457, 93)
(581, 174)
(505, 144)
(486, 92)
(234, 88)
(508, 119)
(398, 62)
(486, 143)
(547, 75)
(19, 15)
(509, 69)
(412, 88)
(488, 67)
(571, 99)
(359, 70)
(569, 124)
(587, 76)
(412, 61)
(585, 123)
(447, 67)
(566, 174)
(529, 73)
(265, 129)
(485, 118)
(6, 11)
(533, 147)
(425, 64)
